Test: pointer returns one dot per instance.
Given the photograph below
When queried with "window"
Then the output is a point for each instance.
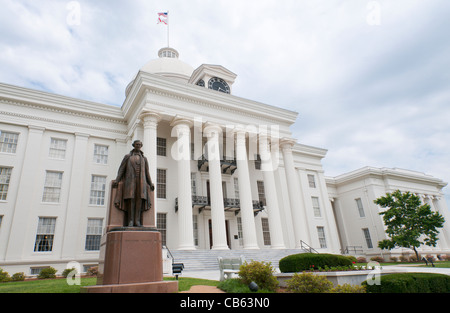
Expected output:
(240, 232)
(261, 192)
(5, 176)
(93, 234)
(161, 146)
(58, 148)
(322, 239)
(98, 187)
(195, 228)
(45, 234)
(101, 154)
(36, 270)
(161, 183)
(311, 181)
(52, 187)
(236, 187)
(192, 151)
(367, 237)
(161, 225)
(316, 206)
(266, 231)
(360, 207)
(8, 142)
(193, 185)
(258, 162)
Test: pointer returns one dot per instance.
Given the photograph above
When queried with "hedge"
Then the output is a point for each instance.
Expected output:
(309, 261)
(411, 283)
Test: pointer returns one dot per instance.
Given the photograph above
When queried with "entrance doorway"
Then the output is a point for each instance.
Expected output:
(211, 233)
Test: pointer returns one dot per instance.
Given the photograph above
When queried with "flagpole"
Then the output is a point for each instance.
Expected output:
(168, 45)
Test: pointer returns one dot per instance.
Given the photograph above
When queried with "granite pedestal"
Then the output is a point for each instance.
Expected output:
(132, 263)
(130, 257)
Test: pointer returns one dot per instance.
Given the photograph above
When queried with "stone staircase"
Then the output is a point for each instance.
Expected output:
(206, 260)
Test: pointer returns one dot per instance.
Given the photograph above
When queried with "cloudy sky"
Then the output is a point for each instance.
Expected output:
(369, 79)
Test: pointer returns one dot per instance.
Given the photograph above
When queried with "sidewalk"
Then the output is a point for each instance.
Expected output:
(212, 275)
(203, 289)
(417, 269)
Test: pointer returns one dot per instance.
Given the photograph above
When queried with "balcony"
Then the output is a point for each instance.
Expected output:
(227, 166)
(230, 205)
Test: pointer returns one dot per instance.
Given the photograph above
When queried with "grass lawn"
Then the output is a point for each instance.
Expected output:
(61, 286)
(45, 286)
(185, 283)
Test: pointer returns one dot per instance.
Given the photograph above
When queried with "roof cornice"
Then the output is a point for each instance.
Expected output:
(387, 173)
(309, 150)
(58, 103)
(188, 93)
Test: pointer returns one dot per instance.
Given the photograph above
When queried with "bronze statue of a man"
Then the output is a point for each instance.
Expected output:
(134, 185)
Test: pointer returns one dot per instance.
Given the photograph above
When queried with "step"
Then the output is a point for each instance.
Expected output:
(198, 260)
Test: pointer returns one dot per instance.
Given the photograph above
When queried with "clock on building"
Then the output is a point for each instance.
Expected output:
(218, 84)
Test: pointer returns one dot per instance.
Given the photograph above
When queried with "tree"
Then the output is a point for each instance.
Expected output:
(409, 223)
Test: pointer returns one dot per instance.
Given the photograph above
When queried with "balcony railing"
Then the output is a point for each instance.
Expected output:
(230, 204)
(227, 166)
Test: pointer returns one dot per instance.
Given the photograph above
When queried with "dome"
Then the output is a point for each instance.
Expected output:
(167, 65)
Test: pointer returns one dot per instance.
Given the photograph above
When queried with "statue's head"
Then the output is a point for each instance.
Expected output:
(137, 144)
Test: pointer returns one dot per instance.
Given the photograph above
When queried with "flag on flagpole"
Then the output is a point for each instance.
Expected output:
(163, 18)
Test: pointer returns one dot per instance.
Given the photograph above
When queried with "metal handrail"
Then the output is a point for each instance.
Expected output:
(353, 249)
(306, 247)
(171, 255)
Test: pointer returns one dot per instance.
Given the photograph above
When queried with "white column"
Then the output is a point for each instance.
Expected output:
(245, 193)
(212, 132)
(276, 231)
(294, 190)
(150, 121)
(181, 152)
(25, 217)
(333, 232)
(74, 201)
(444, 233)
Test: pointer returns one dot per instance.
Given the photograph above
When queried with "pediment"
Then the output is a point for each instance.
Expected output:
(211, 70)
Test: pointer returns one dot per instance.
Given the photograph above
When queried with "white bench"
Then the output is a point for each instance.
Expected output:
(229, 266)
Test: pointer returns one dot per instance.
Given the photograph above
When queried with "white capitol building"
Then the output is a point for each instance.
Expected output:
(228, 173)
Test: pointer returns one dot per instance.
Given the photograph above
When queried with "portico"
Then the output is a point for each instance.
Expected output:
(228, 154)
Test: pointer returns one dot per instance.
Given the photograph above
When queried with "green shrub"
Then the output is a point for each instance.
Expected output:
(411, 283)
(48, 272)
(259, 272)
(233, 285)
(361, 259)
(347, 288)
(92, 271)
(378, 259)
(308, 283)
(67, 271)
(4, 276)
(306, 261)
(18, 276)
